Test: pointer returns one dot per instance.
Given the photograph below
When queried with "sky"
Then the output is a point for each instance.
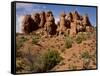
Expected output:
(29, 8)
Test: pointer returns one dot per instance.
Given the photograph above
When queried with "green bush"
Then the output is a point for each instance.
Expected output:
(51, 58)
(82, 36)
(68, 42)
(78, 39)
(35, 39)
(46, 61)
(85, 55)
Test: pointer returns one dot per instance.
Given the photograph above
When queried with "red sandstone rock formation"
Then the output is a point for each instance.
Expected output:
(62, 23)
(50, 26)
(42, 19)
(27, 24)
(36, 18)
(71, 22)
(75, 16)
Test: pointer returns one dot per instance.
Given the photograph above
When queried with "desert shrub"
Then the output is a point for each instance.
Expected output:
(68, 42)
(86, 60)
(35, 39)
(51, 58)
(23, 39)
(89, 35)
(83, 36)
(38, 62)
(21, 65)
(20, 42)
(78, 39)
(46, 61)
(85, 55)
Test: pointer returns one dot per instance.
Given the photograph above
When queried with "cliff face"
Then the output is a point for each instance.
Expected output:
(72, 22)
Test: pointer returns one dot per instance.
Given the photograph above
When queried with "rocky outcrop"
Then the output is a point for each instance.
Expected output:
(62, 23)
(28, 25)
(36, 18)
(42, 19)
(71, 22)
(50, 26)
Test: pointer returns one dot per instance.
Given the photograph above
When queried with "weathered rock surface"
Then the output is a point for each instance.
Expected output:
(71, 22)
(50, 26)
(42, 19)
(28, 25)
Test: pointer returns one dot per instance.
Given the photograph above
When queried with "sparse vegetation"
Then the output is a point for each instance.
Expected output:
(72, 67)
(78, 39)
(35, 39)
(51, 58)
(20, 42)
(38, 62)
(18, 45)
(82, 36)
(85, 55)
(21, 65)
(86, 60)
(23, 39)
(68, 42)
(47, 61)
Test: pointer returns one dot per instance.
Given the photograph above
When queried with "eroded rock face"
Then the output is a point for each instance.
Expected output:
(75, 16)
(71, 22)
(69, 17)
(73, 31)
(42, 19)
(80, 27)
(27, 24)
(80, 23)
(62, 23)
(36, 18)
(50, 26)
(86, 21)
